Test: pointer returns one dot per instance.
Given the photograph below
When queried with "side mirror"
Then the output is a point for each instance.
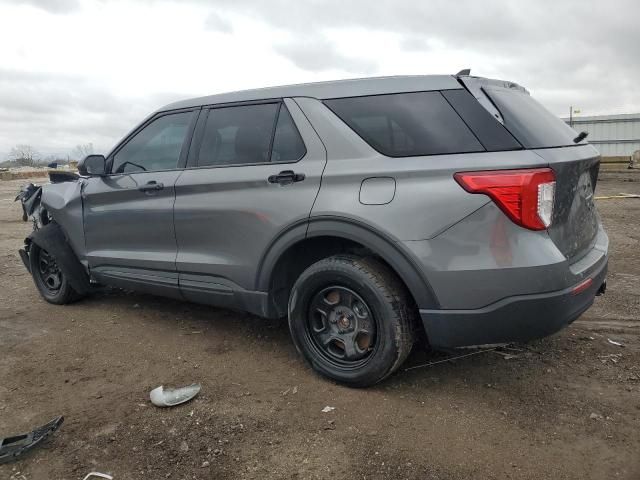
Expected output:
(93, 166)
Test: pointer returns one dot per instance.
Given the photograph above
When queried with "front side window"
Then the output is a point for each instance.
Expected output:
(407, 124)
(156, 147)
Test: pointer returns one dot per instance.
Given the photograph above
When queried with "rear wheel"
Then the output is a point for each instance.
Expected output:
(351, 319)
(51, 282)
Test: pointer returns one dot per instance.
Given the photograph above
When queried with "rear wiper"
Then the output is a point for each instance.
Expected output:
(581, 136)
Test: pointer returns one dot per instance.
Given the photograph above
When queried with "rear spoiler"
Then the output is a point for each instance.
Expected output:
(464, 76)
(476, 86)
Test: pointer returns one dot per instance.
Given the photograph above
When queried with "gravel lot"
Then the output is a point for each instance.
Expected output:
(564, 407)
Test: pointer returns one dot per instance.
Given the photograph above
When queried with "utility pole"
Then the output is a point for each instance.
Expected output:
(571, 116)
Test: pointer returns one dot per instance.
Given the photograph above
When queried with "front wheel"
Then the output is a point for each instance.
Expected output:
(351, 319)
(51, 282)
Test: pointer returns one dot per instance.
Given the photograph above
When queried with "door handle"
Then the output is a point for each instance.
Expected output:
(151, 186)
(286, 177)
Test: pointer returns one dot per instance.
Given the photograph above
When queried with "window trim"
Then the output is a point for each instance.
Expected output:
(466, 122)
(194, 151)
(186, 142)
(483, 149)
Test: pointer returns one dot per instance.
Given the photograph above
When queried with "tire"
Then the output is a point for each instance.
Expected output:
(351, 319)
(52, 284)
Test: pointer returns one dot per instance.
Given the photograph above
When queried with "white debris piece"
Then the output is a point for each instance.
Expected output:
(170, 397)
(97, 475)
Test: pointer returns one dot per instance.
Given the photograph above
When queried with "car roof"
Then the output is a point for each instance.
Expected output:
(333, 89)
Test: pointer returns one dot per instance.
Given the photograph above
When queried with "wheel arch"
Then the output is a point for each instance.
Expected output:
(52, 238)
(327, 236)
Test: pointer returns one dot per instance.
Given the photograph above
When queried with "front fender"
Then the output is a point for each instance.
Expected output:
(52, 239)
(63, 201)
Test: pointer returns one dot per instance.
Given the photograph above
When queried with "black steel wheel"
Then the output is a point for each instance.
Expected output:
(49, 272)
(50, 280)
(341, 326)
(351, 319)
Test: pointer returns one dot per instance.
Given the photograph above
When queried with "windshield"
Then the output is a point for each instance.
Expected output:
(532, 124)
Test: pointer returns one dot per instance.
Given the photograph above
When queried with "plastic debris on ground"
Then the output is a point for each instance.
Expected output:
(162, 397)
(13, 448)
(97, 475)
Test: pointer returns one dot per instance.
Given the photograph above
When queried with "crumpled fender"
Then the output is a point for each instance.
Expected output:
(63, 202)
(51, 237)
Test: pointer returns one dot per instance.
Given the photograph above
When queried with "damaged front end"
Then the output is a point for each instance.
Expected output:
(30, 197)
(55, 210)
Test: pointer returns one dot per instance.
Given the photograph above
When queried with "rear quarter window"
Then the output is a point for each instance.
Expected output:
(407, 124)
(527, 120)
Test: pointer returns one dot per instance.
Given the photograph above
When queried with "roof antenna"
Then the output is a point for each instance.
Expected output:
(464, 72)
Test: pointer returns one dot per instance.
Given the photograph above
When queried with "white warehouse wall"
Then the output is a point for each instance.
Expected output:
(612, 135)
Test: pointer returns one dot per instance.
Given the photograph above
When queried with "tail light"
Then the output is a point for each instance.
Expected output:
(525, 196)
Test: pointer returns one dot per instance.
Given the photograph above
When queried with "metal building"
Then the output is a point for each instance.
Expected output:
(612, 135)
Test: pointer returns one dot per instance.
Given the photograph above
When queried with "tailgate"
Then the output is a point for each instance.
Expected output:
(575, 219)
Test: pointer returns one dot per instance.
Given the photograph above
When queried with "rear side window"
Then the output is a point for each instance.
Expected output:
(407, 124)
(491, 133)
(245, 135)
(532, 124)
(287, 144)
(238, 135)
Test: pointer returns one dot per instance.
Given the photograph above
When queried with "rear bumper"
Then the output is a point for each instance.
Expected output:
(517, 318)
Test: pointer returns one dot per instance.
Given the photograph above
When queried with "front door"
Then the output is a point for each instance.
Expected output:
(128, 214)
(256, 172)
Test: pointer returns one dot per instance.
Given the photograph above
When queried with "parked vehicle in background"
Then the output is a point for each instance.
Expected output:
(366, 211)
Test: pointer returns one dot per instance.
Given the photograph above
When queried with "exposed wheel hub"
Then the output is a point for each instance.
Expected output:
(344, 320)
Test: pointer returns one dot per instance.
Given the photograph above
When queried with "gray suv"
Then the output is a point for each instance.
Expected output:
(369, 212)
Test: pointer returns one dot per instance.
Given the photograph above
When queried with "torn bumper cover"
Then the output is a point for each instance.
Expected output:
(12, 448)
(29, 197)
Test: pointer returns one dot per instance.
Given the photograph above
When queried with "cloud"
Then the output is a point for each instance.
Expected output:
(52, 6)
(79, 71)
(545, 45)
(54, 112)
(317, 54)
(218, 24)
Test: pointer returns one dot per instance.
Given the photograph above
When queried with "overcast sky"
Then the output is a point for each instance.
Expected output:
(76, 71)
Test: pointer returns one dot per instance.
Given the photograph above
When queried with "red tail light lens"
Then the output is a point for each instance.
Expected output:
(525, 196)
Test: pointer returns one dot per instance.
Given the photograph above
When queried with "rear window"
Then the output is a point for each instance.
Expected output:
(532, 124)
(407, 124)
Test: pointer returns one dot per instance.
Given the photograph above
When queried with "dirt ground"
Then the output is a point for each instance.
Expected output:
(564, 407)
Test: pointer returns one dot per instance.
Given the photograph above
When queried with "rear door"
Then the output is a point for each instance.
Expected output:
(255, 171)
(128, 214)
